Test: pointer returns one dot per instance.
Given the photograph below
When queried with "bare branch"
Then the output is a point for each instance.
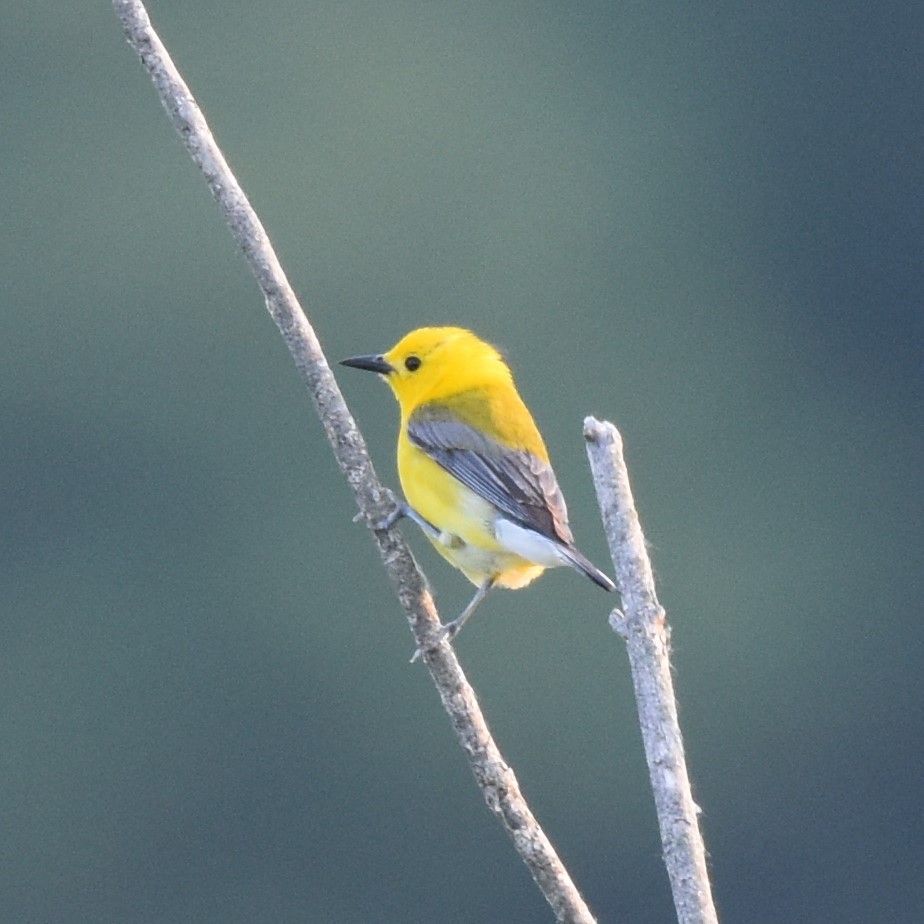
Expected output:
(496, 779)
(644, 627)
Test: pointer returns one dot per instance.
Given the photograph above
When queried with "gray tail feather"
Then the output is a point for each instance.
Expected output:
(581, 563)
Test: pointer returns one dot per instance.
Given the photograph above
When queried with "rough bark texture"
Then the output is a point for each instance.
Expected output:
(643, 625)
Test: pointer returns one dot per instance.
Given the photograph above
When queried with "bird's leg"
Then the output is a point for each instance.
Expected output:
(440, 537)
(451, 629)
(401, 510)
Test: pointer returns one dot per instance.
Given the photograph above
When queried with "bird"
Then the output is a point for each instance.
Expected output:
(473, 466)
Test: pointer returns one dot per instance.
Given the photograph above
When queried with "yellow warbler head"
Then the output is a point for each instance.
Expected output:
(434, 362)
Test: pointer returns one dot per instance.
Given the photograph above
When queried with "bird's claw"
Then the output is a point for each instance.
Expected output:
(445, 634)
(398, 510)
(389, 520)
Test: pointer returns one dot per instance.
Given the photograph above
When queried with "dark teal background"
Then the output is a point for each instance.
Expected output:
(702, 221)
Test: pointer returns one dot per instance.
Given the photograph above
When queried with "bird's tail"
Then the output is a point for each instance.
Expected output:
(581, 563)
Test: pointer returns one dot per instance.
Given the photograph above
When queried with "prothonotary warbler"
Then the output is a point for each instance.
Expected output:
(473, 466)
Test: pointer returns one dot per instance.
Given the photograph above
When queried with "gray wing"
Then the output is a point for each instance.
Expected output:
(521, 485)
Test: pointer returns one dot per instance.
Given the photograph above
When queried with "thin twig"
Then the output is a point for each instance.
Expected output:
(496, 779)
(644, 627)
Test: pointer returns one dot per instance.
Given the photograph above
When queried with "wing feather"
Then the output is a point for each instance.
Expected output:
(520, 484)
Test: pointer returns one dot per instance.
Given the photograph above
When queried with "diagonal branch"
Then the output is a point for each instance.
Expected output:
(644, 627)
(497, 781)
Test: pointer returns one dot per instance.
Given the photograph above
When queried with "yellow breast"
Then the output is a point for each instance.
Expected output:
(465, 521)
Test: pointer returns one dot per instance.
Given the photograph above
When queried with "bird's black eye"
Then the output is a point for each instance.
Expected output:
(412, 363)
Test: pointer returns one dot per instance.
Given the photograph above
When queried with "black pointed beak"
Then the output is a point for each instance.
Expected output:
(369, 363)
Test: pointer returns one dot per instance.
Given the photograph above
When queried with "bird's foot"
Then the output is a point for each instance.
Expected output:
(445, 634)
(398, 510)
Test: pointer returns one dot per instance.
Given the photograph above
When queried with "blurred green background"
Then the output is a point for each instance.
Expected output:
(703, 222)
